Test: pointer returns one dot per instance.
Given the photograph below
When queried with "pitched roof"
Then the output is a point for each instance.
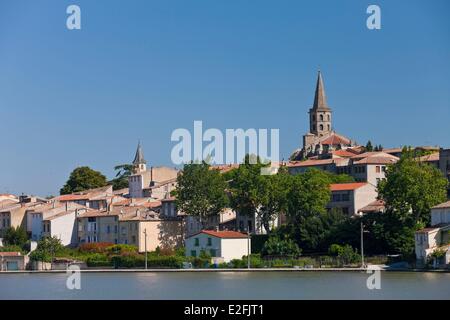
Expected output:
(442, 205)
(342, 153)
(347, 186)
(10, 254)
(223, 234)
(335, 139)
(320, 100)
(376, 160)
(430, 157)
(308, 163)
(375, 206)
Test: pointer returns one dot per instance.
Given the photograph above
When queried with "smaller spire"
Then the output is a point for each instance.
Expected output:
(139, 157)
(320, 100)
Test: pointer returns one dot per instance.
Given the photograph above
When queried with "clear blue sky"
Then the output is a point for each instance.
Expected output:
(140, 69)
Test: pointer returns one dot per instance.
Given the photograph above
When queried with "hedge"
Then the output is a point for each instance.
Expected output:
(138, 261)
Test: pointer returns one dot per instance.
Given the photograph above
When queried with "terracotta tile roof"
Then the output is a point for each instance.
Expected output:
(10, 254)
(73, 197)
(343, 153)
(223, 234)
(376, 160)
(346, 186)
(308, 163)
(375, 206)
(442, 205)
(430, 157)
(335, 139)
(426, 230)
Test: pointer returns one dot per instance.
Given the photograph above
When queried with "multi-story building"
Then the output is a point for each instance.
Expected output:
(351, 197)
(436, 237)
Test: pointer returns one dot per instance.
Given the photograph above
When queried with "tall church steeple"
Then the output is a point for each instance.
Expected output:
(139, 162)
(320, 113)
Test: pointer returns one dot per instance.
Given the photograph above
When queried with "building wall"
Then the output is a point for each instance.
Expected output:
(161, 174)
(106, 229)
(21, 261)
(64, 228)
(235, 248)
(135, 185)
(425, 242)
(166, 234)
(440, 215)
(15, 217)
(363, 196)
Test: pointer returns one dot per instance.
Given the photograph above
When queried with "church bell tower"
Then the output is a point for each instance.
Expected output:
(320, 113)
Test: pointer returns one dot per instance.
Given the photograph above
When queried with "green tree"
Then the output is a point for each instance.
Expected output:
(200, 191)
(83, 178)
(273, 191)
(15, 237)
(369, 146)
(122, 174)
(411, 188)
(278, 245)
(246, 185)
(47, 248)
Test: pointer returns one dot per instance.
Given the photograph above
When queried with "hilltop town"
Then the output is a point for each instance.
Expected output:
(144, 225)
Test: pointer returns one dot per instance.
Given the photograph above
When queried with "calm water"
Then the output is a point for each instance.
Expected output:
(227, 285)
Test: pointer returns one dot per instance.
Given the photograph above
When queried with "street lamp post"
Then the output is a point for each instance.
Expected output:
(145, 245)
(248, 248)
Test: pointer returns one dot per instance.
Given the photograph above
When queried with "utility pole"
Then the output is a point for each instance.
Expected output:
(145, 244)
(362, 245)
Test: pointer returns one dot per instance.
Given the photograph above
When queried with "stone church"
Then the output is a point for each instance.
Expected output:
(321, 138)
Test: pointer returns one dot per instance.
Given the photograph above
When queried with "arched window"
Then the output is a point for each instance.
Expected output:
(321, 127)
(328, 127)
(321, 117)
(329, 118)
(314, 127)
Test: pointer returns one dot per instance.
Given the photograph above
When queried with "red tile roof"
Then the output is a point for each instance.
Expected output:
(335, 139)
(346, 186)
(224, 234)
(73, 197)
(375, 206)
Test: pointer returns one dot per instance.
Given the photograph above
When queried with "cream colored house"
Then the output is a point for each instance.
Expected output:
(437, 236)
(351, 197)
(223, 246)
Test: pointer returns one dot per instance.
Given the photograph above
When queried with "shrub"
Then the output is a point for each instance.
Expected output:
(15, 236)
(238, 263)
(121, 249)
(11, 248)
(346, 253)
(39, 255)
(276, 246)
(98, 260)
(138, 261)
(95, 247)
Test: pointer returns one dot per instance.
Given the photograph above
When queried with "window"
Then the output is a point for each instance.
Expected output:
(329, 118)
(108, 229)
(336, 197)
(209, 242)
(377, 169)
(321, 127)
(213, 252)
(345, 210)
(329, 127)
(193, 253)
(133, 239)
(321, 117)
(345, 197)
(197, 242)
(314, 127)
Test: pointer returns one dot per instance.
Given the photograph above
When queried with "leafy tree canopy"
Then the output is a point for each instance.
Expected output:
(83, 178)
(200, 191)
